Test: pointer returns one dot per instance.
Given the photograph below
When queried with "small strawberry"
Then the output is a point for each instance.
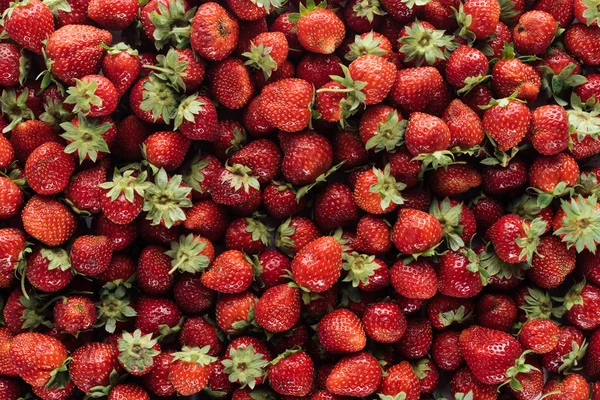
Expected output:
(511, 75)
(48, 220)
(89, 138)
(355, 375)
(292, 373)
(128, 391)
(208, 219)
(421, 42)
(124, 196)
(93, 96)
(319, 30)
(157, 380)
(539, 335)
(75, 314)
(534, 32)
(466, 68)
(14, 65)
(552, 263)
(515, 239)
(384, 322)
(246, 361)
(334, 207)
(294, 234)
(122, 66)
(573, 386)
(231, 83)
(415, 88)
(582, 303)
(461, 274)
(506, 122)
(478, 19)
(190, 370)
(417, 339)
(400, 378)
(445, 351)
(580, 42)
(285, 104)
(262, 156)
(372, 236)
(278, 309)
(157, 315)
(496, 312)
(152, 100)
(154, 268)
(306, 157)
(83, 192)
(341, 331)
(166, 149)
(11, 198)
(416, 232)
(234, 185)
(414, 280)
(454, 180)
(318, 265)
(575, 223)
(464, 382)
(550, 130)
(428, 137)
(91, 255)
(48, 169)
(230, 273)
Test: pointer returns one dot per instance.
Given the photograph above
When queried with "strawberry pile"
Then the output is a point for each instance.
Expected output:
(256, 200)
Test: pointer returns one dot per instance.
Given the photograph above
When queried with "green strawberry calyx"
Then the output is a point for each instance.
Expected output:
(529, 241)
(584, 118)
(388, 189)
(258, 230)
(425, 45)
(390, 134)
(137, 351)
(283, 237)
(165, 199)
(172, 23)
(369, 45)
(170, 69)
(85, 137)
(580, 227)
(520, 367)
(126, 184)
(15, 107)
(449, 217)
(592, 12)
(186, 254)
(360, 267)
(114, 305)
(159, 98)
(244, 365)
(83, 96)
(259, 58)
(194, 355)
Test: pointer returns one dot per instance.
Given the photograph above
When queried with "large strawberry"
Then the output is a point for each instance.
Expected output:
(285, 104)
(278, 309)
(318, 265)
(214, 33)
(357, 375)
(377, 192)
(292, 373)
(29, 23)
(416, 232)
(190, 370)
(506, 121)
(48, 220)
(319, 29)
(38, 358)
(231, 272)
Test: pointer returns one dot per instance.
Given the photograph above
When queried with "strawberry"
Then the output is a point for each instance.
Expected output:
(466, 128)
(262, 156)
(400, 378)
(444, 311)
(190, 370)
(294, 234)
(83, 192)
(417, 339)
(582, 303)
(421, 42)
(306, 156)
(198, 332)
(29, 23)
(384, 322)
(231, 83)
(122, 66)
(496, 312)
(492, 356)
(89, 138)
(506, 122)
(579, 41)
(478, 19)
(91, 255)
(416, 232)
(199, 174)
(550, 130)
(381, 128)
(372, 236)
(157, 380)
(166, 149)
(128, 391)
(466, 68)
(11, 389)
(318, 265)
(427, 134)
(511, 75)
(123, 199)
(113, 15)
(285, 104)
(48, 169)
(191, 295)
(152, 100)
(515, 239)
(121, 236)
(401, 11)
(552, 263)
(334, 207)
(48, 220)
(75, 314)
(454, 180)
(355, 375)
(278, 309)
(93, 96)
(552, 176)
(37, 358)
(273, 266)
(319, 30)
(6, 366)
(499, 180)
(246, 361)
(377, 192)
(568, 351)
(415, 88)
(487, 211)
(267, 52)
(234, 312)
(154, 312)
(341, 331)
(316, 69)
(14, 65)
(11, 198)
(534, 32)
(587, 89)
(592, 365)
(292, 374)
(404, 167)
(445, 351)
(154, 269)
(414, 280)
(461, 274)
(230, 273)
(575, 223)
(573, 386)
(208, 219)
(234, 185)
(75, 51)
(465, 382)
(539, 335)
(377, 73)
(214, 33)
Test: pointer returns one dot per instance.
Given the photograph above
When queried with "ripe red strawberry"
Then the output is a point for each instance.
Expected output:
(121, 236)
(552, 263)
(152, 100)
(496, 312)
(417, 339)
(316, 69)
(234, 312)
(478, 19)
(75, 314)
(29, 23)
(414, 280)
(319, 30)
(231, 83)
(377, 192)
(12, 72)
(334, 207)
(214, 32)
(511, 75)
(157, 380)
(466, 68)
(121, 267)
(48, 220)
(294, 234)
(507, 122)
(11, 389)
(29, 135)
(341, 331)
(76, 51)
(550, 129)
(582, 303)
(416, 232)
(292, 374)
(372, 236)
(444, 311)
(152, 312)
(317, 266)
(553, 175)
(464, 382)
(568, 351)
(93, 96)
(48, 169)
(166, 149)
(562, 10)
(426, 134)
(490, 353)
(89, 138)
(580, 42)
(539, 335)
(384, 322)
(307, 155)
(415, 88)
(454, 180)
(285, 104)
(445, 350)
(573, 386)
(153, 270)
(461, 274)
(499, 180)
(11, 198)
(262, 156)
(114, 14)
(230, 273)
(355, 375)
(83, 192)
(37, 357)
(515, 239)
(123, 199)
(267, 52)
(91, 255)
(534, 32)
(128, 391)
(92, 364)
(400, 378)
(199, 332)
(191, 295)
(6, 366)
(278, 309)
(466, 128)
(208, 219)
(377, 73)
(592, 360)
